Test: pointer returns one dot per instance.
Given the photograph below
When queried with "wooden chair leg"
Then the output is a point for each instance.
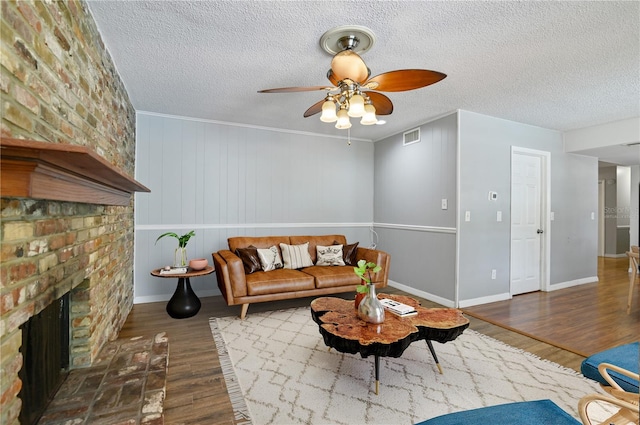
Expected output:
(243, 312)
(632, 280)
(633, 262)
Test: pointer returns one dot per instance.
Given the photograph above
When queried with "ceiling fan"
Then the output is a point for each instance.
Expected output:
(353, 93)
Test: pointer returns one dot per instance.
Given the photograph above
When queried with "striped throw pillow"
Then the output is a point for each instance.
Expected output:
(296, 256)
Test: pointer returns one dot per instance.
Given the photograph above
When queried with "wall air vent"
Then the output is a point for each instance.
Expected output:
(411, 136)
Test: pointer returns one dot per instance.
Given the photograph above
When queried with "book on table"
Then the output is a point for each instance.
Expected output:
(174, 270)
(398, 308)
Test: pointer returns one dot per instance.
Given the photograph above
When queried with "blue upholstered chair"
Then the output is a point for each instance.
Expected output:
(616, 370)
(624, 357)
(540, 412)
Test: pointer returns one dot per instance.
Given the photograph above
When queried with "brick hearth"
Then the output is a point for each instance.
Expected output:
(125, 385)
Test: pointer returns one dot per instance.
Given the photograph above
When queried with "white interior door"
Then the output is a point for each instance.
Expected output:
(526, 222)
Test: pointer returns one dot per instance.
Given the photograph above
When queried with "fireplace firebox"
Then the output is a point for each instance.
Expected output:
(45, 354)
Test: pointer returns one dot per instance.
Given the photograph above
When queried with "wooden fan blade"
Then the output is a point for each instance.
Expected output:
(295, 89)
(314, 109)
(332, 77)
(381, 102)
(406, 79)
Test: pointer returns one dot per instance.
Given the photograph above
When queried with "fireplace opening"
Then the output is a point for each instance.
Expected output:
(45, 354)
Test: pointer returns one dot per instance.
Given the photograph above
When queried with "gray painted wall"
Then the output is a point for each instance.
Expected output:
(410, 183)
(223, 180)
(484, 244)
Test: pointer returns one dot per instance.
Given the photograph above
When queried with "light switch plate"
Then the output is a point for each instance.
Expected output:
(444, 204)
(499, 216)
(467, 216)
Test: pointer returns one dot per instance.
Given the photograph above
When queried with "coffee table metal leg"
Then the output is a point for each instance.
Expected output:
(377, 361)
(433, 353)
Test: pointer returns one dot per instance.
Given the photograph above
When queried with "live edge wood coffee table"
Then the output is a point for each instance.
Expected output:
(343, 330)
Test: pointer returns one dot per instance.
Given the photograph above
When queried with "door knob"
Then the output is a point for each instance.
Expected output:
(539, 231)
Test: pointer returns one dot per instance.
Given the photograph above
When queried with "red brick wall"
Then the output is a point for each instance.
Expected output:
(58, 84)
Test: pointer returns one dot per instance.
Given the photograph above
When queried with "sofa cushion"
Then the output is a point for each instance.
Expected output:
(330, 277)
(317, 240)
(250, 259)
(296, 256)
(270, 258)
(329, 255)
(278, 281)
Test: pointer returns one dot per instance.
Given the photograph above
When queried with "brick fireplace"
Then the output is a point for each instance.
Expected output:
(59, 86)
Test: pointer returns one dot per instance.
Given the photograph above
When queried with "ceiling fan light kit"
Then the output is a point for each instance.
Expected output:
(343, 121)
(353, 93)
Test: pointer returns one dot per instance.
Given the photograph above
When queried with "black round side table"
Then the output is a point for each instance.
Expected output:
(184, 302)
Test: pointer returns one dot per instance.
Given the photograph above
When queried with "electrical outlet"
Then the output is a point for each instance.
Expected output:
(444, 204)
(467, 216)
(493, 273)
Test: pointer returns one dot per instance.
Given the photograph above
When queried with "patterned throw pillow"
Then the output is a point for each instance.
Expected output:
(270, 258)
(296, 256)
(329, 255)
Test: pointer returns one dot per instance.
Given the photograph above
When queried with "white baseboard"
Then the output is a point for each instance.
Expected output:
(166, 297)
(614, 255)
(570, 283)
(484, 300)
(413, 291)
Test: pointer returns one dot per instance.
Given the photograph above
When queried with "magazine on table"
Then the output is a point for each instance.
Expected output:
(398, 308)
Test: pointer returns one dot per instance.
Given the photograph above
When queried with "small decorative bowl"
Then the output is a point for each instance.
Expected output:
(198, 263)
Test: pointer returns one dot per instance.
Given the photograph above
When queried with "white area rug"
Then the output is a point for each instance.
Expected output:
(288, 376)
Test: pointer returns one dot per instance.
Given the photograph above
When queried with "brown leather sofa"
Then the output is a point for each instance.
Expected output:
(239, 288)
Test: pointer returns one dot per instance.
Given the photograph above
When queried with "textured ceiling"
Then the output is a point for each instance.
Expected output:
(558, 65)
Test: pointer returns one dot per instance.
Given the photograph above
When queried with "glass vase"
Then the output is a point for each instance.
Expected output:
(370, 309)
(180, 257)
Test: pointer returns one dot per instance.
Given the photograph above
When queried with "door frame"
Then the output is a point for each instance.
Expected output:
(601, 234)
(545, 213)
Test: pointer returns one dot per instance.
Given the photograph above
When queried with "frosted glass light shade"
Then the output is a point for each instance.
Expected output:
(356, 106)
(343, 120)
(328, 112)
(369, 117)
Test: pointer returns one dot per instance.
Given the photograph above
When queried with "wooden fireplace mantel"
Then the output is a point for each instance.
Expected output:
(61, 172)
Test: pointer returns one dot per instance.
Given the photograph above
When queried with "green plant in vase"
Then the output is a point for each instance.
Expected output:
(180, 256)
(364, 271)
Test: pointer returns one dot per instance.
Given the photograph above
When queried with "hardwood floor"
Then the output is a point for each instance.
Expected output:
(196, 391)
(584, 319)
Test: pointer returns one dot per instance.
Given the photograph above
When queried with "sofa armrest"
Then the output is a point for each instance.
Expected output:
(230, 274)
(380, 258)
